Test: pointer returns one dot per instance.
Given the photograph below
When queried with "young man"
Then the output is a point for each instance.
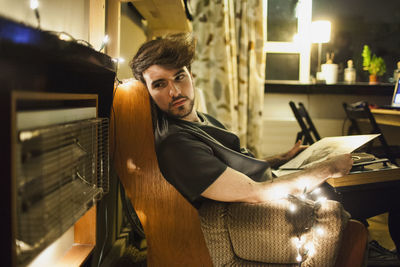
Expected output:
(196, 154)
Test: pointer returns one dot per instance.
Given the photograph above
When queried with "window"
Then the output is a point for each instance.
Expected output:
(288, 39)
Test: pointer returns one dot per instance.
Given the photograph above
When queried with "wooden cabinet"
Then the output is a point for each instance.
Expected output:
(37, 66)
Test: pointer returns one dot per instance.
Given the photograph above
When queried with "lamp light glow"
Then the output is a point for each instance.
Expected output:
(321, 31)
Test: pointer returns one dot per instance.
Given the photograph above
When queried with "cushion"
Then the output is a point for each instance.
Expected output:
(265, 234)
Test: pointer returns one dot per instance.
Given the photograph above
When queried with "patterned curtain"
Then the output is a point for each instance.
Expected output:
(229, 67)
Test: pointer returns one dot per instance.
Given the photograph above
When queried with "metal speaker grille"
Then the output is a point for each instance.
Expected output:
(62, 171)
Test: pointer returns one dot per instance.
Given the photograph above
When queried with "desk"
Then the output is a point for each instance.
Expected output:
(371, 177)
(387, 116)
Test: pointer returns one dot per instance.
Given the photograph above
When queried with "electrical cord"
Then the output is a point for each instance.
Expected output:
(131, 213)
(37, 16)
(105, 239)
(116, 84)
(68, 37)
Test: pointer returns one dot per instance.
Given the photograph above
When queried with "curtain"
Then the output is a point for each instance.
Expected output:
(229, 67)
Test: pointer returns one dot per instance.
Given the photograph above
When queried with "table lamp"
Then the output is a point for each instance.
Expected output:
(320, 33)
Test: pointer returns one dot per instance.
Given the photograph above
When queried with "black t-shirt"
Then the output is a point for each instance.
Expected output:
(192, 155)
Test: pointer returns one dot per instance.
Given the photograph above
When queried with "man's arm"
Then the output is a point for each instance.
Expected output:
(278, 160)
(233, 186)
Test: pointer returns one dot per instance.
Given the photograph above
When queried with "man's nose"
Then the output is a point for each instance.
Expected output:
(174, 90)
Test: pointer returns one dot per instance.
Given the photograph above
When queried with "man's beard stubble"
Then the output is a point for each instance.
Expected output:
(181, 108)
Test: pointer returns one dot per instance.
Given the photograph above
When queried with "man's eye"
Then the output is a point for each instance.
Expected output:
(180, 77)
(159, 85)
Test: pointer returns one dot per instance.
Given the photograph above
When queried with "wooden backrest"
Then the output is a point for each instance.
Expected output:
(308, 133)
(171, 224)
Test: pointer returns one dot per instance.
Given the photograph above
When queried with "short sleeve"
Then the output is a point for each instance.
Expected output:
(188, 164)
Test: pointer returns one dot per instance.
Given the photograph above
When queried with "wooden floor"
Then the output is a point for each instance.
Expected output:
(379, 231)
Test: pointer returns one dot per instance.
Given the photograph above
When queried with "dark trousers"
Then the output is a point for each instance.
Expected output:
(365, 201)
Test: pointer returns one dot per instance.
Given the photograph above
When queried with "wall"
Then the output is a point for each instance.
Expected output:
(71, 16)
(132, 36)
(326, 111)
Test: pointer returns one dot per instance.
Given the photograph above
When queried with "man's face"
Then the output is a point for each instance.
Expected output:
(172, 90)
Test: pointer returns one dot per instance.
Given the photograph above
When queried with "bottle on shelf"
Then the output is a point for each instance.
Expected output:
(350, 72)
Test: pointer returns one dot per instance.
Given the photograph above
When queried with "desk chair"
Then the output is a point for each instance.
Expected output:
(174, 231)
(308, 133)
(360, 111)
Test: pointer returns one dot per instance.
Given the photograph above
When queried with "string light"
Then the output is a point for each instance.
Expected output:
(320, 231)
(106, 39)
(321, 200)
(279, 192)
(118, 60)
(316, 191)
(65, 37)
(292, 208)
(310, 249)
(34, 4)
(307, 249)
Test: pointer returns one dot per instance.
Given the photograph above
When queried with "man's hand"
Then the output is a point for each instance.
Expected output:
(278, 160)
(339, 165)
(296, 149)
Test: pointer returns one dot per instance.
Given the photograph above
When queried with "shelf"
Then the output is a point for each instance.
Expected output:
(282, 87)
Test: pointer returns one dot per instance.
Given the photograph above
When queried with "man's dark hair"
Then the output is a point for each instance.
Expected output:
(173, 52)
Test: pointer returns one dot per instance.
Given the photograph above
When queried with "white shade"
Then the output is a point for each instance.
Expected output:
(321, 31)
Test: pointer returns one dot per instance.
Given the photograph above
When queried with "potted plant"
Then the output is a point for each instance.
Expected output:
(374, 65)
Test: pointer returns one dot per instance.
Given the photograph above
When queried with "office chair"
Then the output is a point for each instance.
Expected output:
(308, 133)
(360, 111)
(179, 235)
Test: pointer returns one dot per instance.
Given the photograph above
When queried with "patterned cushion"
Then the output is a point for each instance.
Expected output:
(243, 234)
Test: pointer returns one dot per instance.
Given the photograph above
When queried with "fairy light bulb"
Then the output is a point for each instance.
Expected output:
(299, 258)
(310, 249)
(297, 242)
(34, 4)
(321, 200)
(64, 37)
(320, 231)
(316, 191)
(106, 39)
(292, 207)
(118, 60)
(278, 192)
